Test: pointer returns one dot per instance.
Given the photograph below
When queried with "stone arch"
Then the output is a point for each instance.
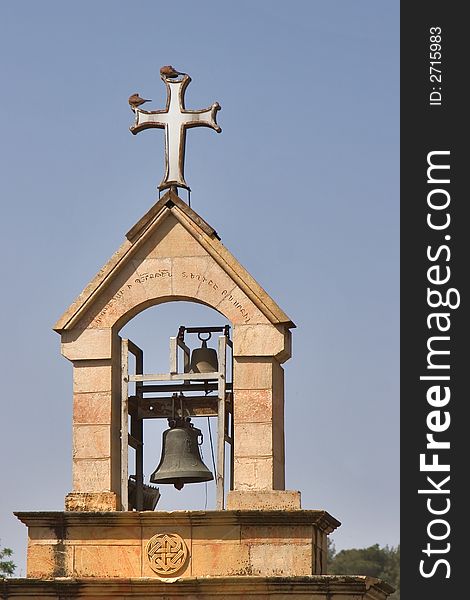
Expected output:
(137, 310)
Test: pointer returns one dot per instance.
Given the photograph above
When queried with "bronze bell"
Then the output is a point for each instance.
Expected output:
(181, 460)
(204, 359)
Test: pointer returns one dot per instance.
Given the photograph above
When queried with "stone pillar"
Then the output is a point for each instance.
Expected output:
(258, 423)
(258, 381)
(95, 418)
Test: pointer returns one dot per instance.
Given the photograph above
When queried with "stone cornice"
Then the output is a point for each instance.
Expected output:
(320, 518)
(251, 586)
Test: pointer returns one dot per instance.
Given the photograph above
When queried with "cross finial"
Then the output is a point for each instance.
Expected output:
(174, 119)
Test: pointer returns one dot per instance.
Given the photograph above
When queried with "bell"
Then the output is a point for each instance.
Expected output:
(181, 460)
(204, 359)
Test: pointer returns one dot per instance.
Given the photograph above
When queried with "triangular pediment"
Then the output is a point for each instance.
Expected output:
(171, 251)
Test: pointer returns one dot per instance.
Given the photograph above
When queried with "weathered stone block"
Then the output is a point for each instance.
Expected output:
(91, 441)
(107, 561)
(263, 500)
(262, 340)
(92, 408)
(92, 475)
(220, 559)
(254, 373)
(276, 534)
(91, 502)
(281, 559)
(253, 473)
(254, 440)
(173, 240)
(42, 535)
(205, 533)
(87, 344)
(47, 561)
(101, 535)
(91, 376)
(253, 406)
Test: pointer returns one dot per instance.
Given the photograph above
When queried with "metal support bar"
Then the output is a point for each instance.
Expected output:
(173, 356)
(175, 343)
(221, 424)
(162, 408)
(190, 402)
(137, 431)
(135, 350)
(232, 433)
(202, 329)
(186, 355)
(135, 438)
(124, 422)
(133, 442)
(175, 376)
(206, 387)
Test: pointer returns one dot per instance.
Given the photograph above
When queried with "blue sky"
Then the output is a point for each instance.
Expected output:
(302, 187)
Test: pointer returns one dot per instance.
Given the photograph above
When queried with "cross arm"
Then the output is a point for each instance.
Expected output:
(206, 117)
(147, 119)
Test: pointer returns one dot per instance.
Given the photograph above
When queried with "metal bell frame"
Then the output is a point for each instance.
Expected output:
(211, 396)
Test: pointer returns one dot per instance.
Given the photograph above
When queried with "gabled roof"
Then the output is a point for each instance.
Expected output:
(171, 204)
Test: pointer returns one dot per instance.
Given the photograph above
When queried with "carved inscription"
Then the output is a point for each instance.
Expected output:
(161, 274)
(166, 553)
(237, 304)
(138, 278)
(111, 303)
(224, 293)
(200, 278)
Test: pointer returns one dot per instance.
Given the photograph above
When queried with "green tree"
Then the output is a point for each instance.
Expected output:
(7, 567)
(383, 563)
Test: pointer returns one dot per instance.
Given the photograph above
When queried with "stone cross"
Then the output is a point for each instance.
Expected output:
(175, 119)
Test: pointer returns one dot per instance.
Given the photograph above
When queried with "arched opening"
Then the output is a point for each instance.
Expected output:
(151, 330)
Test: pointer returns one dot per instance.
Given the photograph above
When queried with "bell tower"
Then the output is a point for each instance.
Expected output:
(171, 255)
(112, 540)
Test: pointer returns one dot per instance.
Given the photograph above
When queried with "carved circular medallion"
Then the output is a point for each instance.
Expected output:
(167, 553)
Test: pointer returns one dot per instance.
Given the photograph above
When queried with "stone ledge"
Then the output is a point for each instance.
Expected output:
(257, 543)
(321, 518)
(322, 587)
